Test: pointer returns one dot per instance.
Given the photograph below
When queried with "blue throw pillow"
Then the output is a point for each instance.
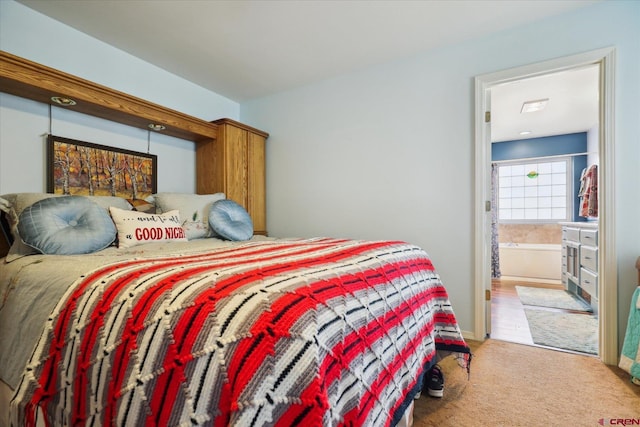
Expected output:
(67, 225)
(230, 221)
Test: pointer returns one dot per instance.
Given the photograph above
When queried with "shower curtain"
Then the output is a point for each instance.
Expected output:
(495, 254)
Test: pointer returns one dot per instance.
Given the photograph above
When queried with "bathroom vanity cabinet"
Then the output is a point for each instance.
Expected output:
(580, 260)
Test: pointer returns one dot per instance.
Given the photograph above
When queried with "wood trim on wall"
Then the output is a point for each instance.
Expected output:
(27, 79)
(241, 126)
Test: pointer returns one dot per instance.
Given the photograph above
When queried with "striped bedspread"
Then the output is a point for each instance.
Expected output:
(318, 332)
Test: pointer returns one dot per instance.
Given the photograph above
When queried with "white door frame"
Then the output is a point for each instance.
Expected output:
(607, 261)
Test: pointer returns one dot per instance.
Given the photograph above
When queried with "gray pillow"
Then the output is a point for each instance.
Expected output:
(67, 225)
(13, 204)
(194, 210)
(230, 221)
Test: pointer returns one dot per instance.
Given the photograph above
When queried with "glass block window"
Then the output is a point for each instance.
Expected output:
(535, 191)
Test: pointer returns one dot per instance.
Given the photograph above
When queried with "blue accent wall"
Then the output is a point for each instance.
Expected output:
(540, 147)
(558, 145)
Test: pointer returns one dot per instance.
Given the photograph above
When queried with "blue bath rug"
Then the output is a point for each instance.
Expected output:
(554, 298)
(569, 331)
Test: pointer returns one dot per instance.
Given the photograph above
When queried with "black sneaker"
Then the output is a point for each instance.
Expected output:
(435, 382)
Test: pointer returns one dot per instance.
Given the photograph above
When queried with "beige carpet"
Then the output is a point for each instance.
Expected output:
(520, 385)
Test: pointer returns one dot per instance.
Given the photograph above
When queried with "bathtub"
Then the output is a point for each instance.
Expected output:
(531, 261)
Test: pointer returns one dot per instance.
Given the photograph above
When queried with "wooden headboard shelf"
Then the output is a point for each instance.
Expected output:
(27, 79)
(239, 152)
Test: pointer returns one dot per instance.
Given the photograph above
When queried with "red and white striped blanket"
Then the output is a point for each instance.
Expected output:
(318, 332)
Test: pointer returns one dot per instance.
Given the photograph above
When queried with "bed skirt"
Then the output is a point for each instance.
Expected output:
(6, 393)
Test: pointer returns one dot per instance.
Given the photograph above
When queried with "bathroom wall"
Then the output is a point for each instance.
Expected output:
(530, 233)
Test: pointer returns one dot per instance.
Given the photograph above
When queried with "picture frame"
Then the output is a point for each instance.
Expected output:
(86, 169)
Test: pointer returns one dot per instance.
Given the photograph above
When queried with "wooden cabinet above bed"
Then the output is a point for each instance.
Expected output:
(234, 163)
(27, 79)
(230, 155)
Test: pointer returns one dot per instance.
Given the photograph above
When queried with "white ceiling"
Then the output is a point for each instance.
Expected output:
(248, 49)
(572, 107)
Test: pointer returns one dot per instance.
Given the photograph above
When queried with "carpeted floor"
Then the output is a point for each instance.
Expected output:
(520, 385)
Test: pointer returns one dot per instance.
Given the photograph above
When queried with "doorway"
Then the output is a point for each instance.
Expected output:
(607, 303)
(544, 132)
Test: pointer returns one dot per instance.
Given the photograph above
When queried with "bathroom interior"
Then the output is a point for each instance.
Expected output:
(535, 243)
(531, 252)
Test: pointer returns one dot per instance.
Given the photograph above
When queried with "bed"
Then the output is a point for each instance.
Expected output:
(216, 331)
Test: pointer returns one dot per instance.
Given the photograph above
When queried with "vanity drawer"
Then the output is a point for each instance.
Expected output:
(589, 281)
(589, 257)
(571, 234)
(589, 237)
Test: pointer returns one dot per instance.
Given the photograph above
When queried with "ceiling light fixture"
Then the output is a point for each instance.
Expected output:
(534, 105)
(61, 100)
(525, 132)
(156, 127)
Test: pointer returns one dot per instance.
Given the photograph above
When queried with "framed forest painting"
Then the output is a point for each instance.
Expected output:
(86, 169)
